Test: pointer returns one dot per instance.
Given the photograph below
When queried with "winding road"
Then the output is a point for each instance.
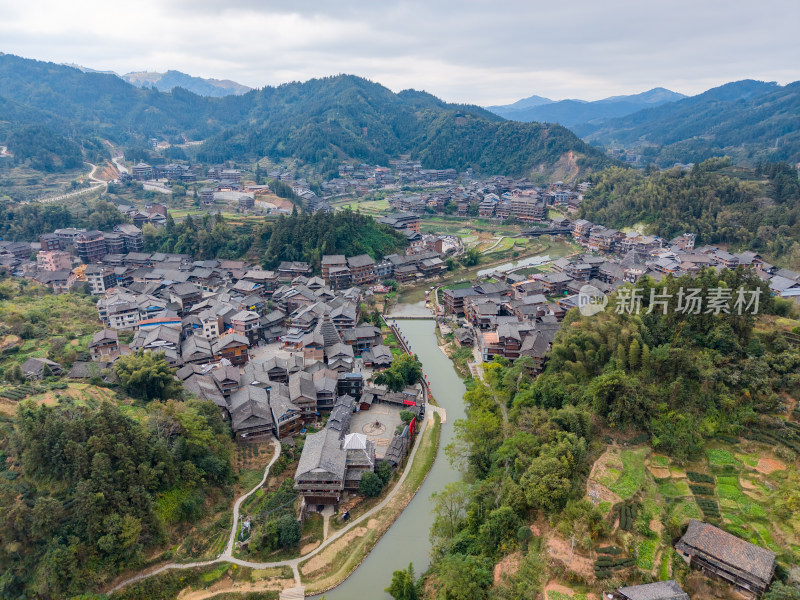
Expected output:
(294, 563)
(117, 160)
(96, 185)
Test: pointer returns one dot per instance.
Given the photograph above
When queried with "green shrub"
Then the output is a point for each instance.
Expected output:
(699, 477)
(701, 490)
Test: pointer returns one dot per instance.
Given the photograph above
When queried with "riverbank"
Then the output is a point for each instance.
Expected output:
(408, 538)
(352, 549)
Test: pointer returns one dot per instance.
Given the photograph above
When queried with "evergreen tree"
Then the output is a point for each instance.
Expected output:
(403, 586)
(634, 355)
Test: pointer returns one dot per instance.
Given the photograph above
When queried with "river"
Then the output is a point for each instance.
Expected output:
(407, 541)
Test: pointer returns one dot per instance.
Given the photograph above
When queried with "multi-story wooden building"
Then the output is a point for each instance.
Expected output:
(362, 269)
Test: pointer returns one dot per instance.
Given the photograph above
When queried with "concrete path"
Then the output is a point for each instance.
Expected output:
(117, 160)
(96, 185)
(327, 513)
(294, 563)
(228, 553)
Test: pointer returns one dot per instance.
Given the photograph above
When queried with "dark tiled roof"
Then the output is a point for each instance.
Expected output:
(362, 260)
(730, 549)
(661, 590)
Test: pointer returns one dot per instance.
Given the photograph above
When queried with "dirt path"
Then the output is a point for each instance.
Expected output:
(96, 185)
(327, 513)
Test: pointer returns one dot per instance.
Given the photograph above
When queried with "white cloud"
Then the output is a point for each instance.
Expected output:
(471, 51)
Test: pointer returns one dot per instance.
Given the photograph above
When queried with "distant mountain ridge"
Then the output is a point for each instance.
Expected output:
(748, 120)
(165, 82)
(320, 121)
(572, 112)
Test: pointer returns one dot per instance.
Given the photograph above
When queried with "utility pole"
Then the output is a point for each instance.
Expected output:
(572, 548)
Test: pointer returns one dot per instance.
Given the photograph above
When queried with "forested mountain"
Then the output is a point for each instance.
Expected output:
(320, 121)
(165, 82)
(747, 120)
(757, 210)
(573, 112)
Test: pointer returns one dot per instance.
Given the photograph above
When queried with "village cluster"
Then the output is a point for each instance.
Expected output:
(275, 350)
(512, 315)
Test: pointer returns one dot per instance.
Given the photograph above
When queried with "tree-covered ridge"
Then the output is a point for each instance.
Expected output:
(46, 150)
(26, 222)
(86, 491)
(749, 120)
(508, 147)
(307, 237)
(299, 237)
(755, 210)
(682, 378)
(517, 458)
(321, 121)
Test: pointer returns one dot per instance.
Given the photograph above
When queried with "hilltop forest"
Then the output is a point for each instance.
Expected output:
(299, 237)
(95, 489)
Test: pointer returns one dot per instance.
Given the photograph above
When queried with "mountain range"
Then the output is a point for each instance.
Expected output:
(573, 112)
(749, 120)
(321, 121)
(165, 82)
(324, 121)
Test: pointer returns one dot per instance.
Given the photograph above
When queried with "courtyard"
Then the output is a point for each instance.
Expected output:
(378, 424)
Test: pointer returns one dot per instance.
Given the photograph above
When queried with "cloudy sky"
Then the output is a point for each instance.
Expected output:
(479, 51)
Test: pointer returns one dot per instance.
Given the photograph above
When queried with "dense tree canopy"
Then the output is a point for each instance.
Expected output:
(307, 237)
(405, 370)
(147, 375)
(44, 149)
(26, 222)
(85, 501)
(680, 377)
(757, 210)
(204, 239)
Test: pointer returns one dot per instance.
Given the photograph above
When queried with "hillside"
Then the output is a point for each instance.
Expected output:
(93, 480)
(321, 121)
(573, 112)
(581, 479)
(747, 120)
(755, 210)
